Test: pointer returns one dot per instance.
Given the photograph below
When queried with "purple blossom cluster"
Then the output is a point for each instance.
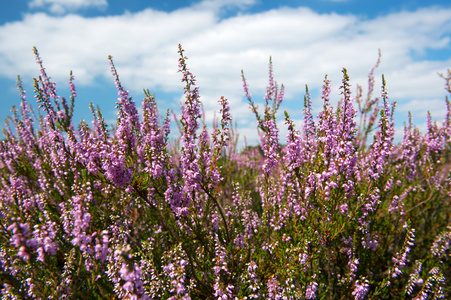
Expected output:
(337, 210)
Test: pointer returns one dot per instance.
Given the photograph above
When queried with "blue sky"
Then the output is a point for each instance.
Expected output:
(306, 39)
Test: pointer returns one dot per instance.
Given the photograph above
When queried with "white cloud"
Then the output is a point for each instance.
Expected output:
(304, 45)
(216, 5)
(62, 6)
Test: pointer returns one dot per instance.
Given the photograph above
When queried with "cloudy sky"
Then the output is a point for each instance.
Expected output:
(306, 39)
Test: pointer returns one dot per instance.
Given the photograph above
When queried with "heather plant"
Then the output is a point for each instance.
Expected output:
(336, 210)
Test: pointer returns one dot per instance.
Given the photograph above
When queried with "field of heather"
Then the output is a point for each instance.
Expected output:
(334, 210)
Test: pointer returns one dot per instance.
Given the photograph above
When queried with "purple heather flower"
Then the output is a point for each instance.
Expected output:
(414, 279)
(360, 289)
(274, 289)
(46, 92)
(270, 145)
(344, 209)
(346, 156)
(132, 276)
(73, 92)
(189, 120)
(115, 169)
(22, 253)
(309, 124)
(151, 148)
(220, 258)
(128, 117)
(128, 286)
(101, 248)
(442, 243)
(20, 232)
(400, 260)
(353, 266)
(40, 252)
(382, 146)
(221, 138)
(210, 170)
(272, 92)
(327, 129)
(25, 128)
(310, 293)
(293, 157)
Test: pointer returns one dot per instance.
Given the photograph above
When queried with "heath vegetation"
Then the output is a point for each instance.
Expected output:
(336, 210)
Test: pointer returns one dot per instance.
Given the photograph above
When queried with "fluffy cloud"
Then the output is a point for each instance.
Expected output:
(304, 45)
(217, 5)
(63, 6)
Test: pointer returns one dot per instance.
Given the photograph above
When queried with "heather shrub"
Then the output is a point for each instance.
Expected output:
(336, 210)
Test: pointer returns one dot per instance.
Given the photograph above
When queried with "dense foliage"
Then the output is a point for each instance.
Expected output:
(335, 211)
